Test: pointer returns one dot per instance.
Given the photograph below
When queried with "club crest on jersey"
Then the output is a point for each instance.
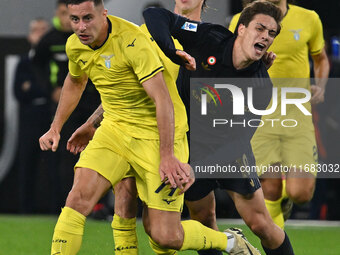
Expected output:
(296, 33)
(107, 60)
(211, 60)
(190, 26)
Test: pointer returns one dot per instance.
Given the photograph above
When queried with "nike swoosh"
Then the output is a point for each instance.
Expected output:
(56, 253)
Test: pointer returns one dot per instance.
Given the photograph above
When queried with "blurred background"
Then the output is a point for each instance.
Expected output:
(48, 194)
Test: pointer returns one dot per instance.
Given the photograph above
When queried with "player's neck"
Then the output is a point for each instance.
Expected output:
(102, 36)
(192, 15)
(240, 61)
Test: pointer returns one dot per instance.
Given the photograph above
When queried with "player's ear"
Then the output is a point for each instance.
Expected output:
(240, 29)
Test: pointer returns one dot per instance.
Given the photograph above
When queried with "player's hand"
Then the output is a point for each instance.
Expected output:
(191, 180)
(50, 140)
(268, 59)
(190, 62)
(80, 138)
(318, 94)
(174, 172)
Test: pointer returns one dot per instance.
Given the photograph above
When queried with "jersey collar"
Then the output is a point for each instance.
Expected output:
(109, 31)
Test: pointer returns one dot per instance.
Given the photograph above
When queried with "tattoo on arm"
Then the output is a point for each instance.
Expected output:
(97, 117)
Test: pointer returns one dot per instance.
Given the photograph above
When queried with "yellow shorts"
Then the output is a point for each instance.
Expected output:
(114, 154)
(292, 148)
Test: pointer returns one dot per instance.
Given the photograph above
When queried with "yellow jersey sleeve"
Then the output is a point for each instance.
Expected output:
(73, 68)
(142, 57)
(233, 22)
(316, 42)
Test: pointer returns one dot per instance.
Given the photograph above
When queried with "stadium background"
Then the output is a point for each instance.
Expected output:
(14, 19)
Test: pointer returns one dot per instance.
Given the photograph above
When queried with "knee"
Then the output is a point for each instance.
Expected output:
(257, 223)
(301, 196)
(166, 238)
(80, 201)
(272, 189)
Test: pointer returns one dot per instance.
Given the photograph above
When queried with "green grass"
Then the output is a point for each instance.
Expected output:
(31, 235)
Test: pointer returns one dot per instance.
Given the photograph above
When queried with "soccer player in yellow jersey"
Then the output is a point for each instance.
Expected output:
(137, 133)
(125, 194)
(294, 148)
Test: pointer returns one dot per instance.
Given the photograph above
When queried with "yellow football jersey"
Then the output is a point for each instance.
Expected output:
(117, 69)
(170, 74)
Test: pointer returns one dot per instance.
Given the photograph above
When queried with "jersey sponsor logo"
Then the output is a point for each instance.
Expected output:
(83, 61)
(132, 44)
(107, 60)
(296, 33)
(211, 60)
(190, 26)
(169, 201)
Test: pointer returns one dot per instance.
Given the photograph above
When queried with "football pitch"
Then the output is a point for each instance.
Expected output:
(31, 235)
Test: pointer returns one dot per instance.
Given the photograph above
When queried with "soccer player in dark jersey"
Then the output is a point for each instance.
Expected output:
(234, 56)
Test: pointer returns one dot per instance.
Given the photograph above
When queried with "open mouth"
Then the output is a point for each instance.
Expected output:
(83, 37)
(259, 47)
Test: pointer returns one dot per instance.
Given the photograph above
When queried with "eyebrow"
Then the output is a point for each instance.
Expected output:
(270, 30)
(84, 17)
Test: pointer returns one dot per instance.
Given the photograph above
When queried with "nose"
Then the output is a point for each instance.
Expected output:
(265, 35)
(82, 26)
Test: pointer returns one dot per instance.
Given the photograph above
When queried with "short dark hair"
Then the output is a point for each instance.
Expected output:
(260, 7)
(76, 2)
(246, 2)
(61, 2)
